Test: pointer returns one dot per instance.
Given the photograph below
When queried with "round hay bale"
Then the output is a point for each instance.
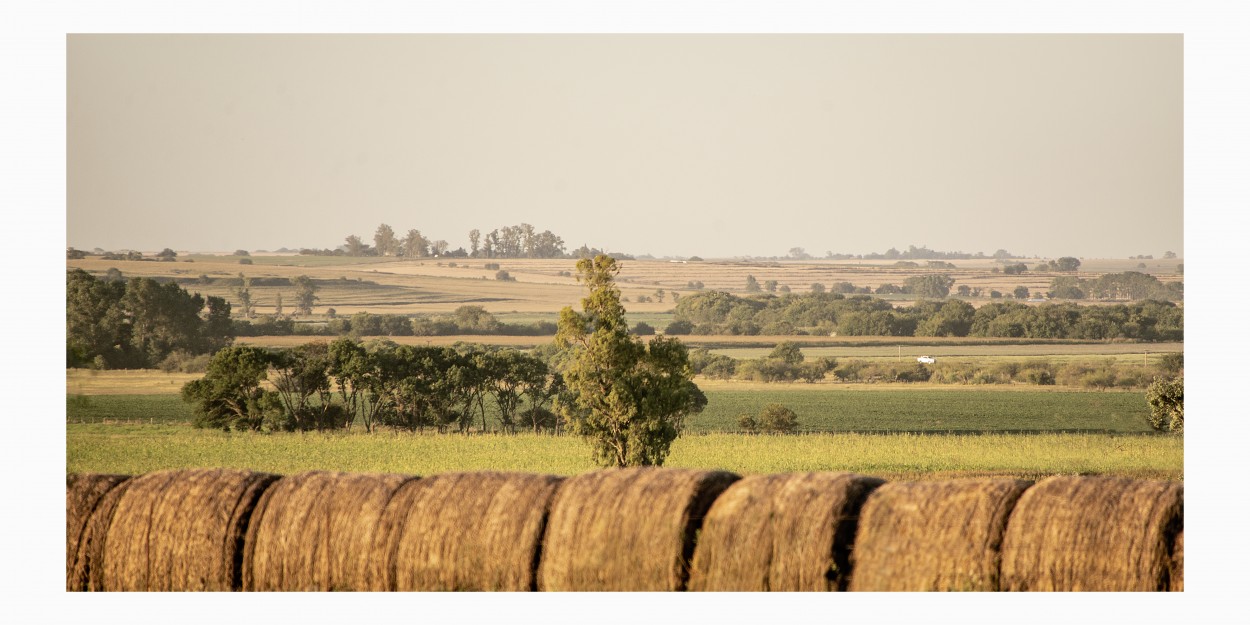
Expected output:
(181, 530)
(464, 531)
(1178, 563)
(626, 529)
(789, 532)
(1072, 533)
(925, 536)
(314, 531)
(89, 503)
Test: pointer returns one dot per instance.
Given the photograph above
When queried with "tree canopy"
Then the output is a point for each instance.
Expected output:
(137, 323)
(627, 398)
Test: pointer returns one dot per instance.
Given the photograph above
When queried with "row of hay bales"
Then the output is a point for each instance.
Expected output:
(618, 530)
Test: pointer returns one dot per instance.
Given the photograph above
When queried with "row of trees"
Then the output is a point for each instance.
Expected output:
(115, 323)
(467, 319)
(912, 252)
(520, 241)
(718, 312)
(1128, 285)
(327, 386)
(305, 296)
(627, 398)
(1094, 373)
(165, 255)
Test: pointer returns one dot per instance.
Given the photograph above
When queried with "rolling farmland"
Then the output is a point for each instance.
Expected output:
(134, 421)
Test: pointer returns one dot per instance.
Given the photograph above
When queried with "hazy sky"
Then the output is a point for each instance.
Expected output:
(716, 145)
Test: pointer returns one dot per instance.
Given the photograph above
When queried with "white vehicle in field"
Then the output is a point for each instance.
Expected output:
(928, 360)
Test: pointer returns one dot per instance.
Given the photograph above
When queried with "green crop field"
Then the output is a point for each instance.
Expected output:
(827, 408)
(164, 408)
(821, 408)
(134, 449)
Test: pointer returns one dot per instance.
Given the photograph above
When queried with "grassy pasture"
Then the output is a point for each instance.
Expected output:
(139, 449)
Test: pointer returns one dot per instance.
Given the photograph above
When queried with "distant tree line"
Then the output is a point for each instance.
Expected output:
(787, 364)
(332, 386)
(718, 312)
(166, 255)
(115, 323)
(520, 241)
(915, 253)
(1129, 285)
(467, 319)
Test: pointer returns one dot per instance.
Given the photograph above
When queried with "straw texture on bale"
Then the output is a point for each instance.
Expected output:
(934, 536)
(789, 532)
(464, 531)
(89, 503)
(314, 532)
(626, 529)
(1092, 533)
(1178, 563)
(181, 530)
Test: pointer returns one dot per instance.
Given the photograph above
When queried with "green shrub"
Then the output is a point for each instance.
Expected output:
(915, 373)
(1172, 364)
(1099, 378)
(778, 419)
(1041, 377)
(679, 327)
(185, 362)
(748, 423)
(1166, 398)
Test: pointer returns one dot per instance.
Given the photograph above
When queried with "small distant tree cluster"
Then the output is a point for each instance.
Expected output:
(1130, 285)
(1065, 263)
(932, 285)
(786, 363)
(773, 419)
(138, 323)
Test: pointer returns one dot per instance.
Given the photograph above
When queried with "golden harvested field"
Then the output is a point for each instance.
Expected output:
(125, 381)
(433, 286)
